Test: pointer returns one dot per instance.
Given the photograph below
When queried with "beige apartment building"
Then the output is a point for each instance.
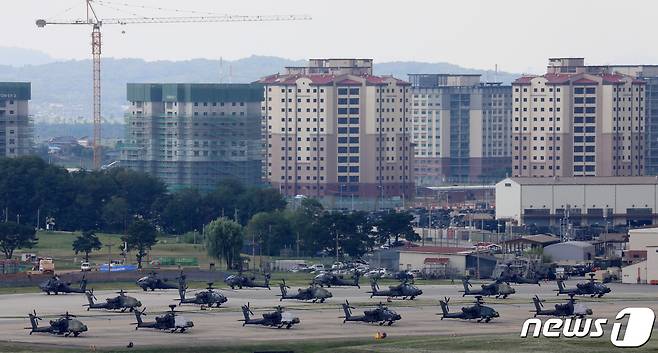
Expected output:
(461, 129)
(578, 121)
(332, 128)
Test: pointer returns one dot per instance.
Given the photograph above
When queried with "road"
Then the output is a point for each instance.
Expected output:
(318, 321)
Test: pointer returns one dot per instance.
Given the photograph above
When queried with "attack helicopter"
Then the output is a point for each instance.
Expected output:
(404, 290)
(169, 321)
(477, 311)
(241, 281)
(153, 282)
(277, 318)
(206, 298)
(510, 276)
(313, 292)
(121, 302)
(570, 308)
(496, 288)
(331, 279)
(65, 325)
(55, 285)
(591, 288)
(381, 314)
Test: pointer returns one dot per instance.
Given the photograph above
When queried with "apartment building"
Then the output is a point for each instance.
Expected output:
(194, 135)
(577, 120)
(649, 74)
(16, 126)
(332, 128)
(461, 128)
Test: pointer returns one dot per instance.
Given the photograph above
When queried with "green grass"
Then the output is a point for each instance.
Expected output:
(502, 343)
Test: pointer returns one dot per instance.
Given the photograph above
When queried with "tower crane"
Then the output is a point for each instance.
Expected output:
(96, 23)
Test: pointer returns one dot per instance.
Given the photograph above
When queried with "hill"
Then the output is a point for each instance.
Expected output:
(61, 91)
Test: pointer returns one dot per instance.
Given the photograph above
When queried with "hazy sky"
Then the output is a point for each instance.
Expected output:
(518, 35)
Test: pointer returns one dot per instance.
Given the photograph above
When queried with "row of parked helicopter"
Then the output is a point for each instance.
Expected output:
(67, 324)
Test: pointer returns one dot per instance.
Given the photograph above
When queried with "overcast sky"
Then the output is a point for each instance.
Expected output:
(518, 35)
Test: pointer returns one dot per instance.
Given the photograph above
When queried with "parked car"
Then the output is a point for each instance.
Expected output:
(85, 267)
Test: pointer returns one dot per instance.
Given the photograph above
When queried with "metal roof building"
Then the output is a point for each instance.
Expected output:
(581, 200)
(570, 252)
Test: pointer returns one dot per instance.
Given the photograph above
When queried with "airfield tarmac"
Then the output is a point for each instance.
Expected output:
(318, 321)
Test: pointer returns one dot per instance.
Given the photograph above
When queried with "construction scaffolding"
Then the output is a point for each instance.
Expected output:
(16, 125)
(195, 135)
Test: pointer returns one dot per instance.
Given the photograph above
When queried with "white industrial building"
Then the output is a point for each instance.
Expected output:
(586, 200)
(643, 253)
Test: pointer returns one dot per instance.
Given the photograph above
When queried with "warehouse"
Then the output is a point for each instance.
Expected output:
(570, 252)
(448, 261)
(578, 200)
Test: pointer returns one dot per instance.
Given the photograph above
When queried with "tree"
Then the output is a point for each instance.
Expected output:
(16, 236)
(396, 224)
(116, 213)
(86, 243)
(141, 237)
(272, 230)
(182, 212)
(224, 239)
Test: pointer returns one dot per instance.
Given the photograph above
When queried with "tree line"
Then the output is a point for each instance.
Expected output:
(32, 191)
(140, 207)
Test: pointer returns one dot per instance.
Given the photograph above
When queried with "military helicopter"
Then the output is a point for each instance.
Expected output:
(404, 290)
(330, 279)
(153, 282)
(496, 288)
(277, 318)
(121, 302)
(509, 276)
(169, 321)
(241, 281)
(381, 314)
(591, 288)
(477, 311)
(570, 308)
(206, 298)
(313, 292)
(56, 285)
(64, 325)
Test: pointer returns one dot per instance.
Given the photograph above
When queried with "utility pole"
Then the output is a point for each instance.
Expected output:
(109, 257)
(297, 244)
(253, 251)
(333, 225)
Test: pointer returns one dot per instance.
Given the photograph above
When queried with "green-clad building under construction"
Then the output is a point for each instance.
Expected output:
(194, 135)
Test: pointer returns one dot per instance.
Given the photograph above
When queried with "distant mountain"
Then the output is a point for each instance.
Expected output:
(61, 91)
(18, 57)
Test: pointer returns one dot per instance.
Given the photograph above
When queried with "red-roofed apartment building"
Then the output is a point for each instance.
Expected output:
(578, 120)
(334, 129)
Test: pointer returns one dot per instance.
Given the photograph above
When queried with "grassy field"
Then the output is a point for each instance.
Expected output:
(467, 343)
(58, 245)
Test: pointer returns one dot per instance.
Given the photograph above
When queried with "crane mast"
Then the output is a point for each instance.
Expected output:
(96, 23)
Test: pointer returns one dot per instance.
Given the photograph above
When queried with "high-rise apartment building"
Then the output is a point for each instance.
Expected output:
(578, 120)
(194, 135)
(649, 74)
(461, 128)
(16, 128)
(334, 129)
